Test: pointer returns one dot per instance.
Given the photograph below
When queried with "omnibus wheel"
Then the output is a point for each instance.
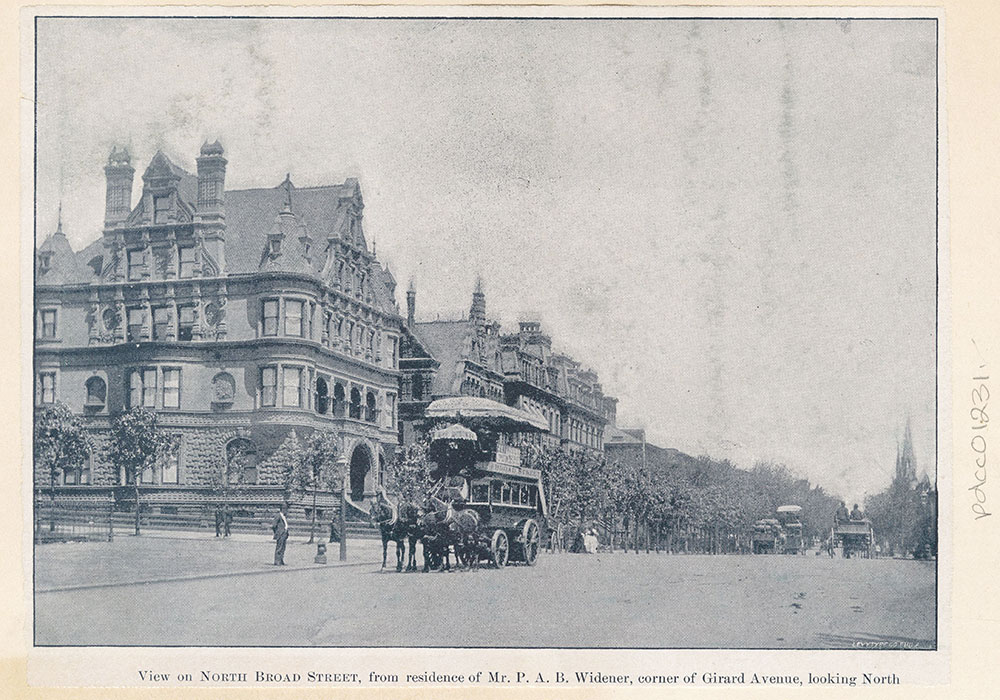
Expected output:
(500, 549)
(530, 547)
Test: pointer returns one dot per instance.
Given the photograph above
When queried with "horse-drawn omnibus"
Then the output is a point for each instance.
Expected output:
(478, 458)
(791, 523)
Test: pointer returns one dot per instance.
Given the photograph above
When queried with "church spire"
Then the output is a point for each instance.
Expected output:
(477, 312)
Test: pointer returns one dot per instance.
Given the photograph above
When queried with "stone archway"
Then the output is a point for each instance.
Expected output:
(361, 466)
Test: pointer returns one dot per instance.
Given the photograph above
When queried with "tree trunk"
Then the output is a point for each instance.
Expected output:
(137, 509)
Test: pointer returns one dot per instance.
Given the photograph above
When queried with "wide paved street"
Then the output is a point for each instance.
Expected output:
(184, 595)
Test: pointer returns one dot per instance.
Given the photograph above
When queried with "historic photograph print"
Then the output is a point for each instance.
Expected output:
(486, 332)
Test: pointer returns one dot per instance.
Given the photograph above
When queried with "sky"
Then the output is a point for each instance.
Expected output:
(732, 222)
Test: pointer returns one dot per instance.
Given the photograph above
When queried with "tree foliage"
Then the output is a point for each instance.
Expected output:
(408, 473)
(135, 443)
(60, 442)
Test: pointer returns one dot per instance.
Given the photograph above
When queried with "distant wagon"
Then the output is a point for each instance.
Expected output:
(791, 523)
(480, 467)
(768, 536)
(855, 537)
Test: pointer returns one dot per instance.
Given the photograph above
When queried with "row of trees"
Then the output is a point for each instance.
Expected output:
(136, 442)
(675, 502)
(904, 517)
(672, 501)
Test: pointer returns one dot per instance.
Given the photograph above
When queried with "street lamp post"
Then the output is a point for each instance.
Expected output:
(342, 520)
(312, 525)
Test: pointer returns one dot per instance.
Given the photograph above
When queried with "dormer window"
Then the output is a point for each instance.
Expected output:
(161, 209)
(44, 262)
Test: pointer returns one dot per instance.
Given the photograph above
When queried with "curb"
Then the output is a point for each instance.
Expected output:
(202, 577)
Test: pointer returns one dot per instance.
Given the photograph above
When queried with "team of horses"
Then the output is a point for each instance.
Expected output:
(439, 522)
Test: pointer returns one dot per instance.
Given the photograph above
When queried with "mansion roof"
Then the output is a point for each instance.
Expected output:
(318, 227)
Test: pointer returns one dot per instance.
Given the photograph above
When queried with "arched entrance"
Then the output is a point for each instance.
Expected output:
(361, 464)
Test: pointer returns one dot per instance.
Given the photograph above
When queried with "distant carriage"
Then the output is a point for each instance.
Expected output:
(855, 537)
(791, 523)
(768, 536)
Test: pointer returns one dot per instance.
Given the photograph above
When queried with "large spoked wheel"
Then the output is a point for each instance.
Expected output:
(500, 549)
(530, 547)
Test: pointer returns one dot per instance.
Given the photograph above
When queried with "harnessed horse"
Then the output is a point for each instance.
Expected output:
(385, 515)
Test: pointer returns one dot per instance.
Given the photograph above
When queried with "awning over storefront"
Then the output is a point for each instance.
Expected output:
(481, 411)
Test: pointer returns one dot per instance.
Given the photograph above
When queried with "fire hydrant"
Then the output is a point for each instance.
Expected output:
(320, 553)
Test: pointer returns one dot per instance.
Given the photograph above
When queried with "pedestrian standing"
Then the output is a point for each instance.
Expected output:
(280, 528)
(227, 521)
(218, 522)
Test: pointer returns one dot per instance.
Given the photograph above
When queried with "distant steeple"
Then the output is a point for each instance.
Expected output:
(906, 461)
(477, 312)
(59, 222)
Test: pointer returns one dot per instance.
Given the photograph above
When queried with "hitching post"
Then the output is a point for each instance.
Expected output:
(342, 463)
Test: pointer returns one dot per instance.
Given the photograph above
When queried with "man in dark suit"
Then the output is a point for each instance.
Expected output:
(280, 529)
(227, 521)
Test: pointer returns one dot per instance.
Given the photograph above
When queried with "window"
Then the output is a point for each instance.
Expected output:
(161, 322)
(161, 209)
(147, 475)
(168, 462)
(136, 319)
(270, 317)
(185, 323)
(172, 388)
(371, 411)
(186, 256)
(293, 318)
(97, 392)
(48, 320)
(338, 401)
(291, 394)
(142, 388)
(268, 386)
(418, 387)
(136, 263)
(241, 456)
(47, 387)
(393, 360)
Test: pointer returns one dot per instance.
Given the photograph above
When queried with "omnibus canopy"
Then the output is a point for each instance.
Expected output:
(481, 411)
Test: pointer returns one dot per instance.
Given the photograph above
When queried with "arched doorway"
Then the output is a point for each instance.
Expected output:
(361, 464)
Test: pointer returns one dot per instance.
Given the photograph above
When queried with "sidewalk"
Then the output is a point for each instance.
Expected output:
(158, 556)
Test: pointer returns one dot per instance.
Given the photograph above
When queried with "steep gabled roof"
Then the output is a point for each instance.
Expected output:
(448, 342)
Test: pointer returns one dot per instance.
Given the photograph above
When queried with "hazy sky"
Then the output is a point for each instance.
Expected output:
(731, 221)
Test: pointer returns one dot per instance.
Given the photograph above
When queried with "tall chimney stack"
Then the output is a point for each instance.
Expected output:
(119, 173)
(411, 304)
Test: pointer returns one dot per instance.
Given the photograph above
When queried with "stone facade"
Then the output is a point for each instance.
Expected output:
(470, 357)
(257, 315)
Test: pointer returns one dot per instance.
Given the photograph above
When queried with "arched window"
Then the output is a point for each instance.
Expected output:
(355, 403)
(371, 412)
(322, 395)
(241, 462)
(339, 410)
(97, 393)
